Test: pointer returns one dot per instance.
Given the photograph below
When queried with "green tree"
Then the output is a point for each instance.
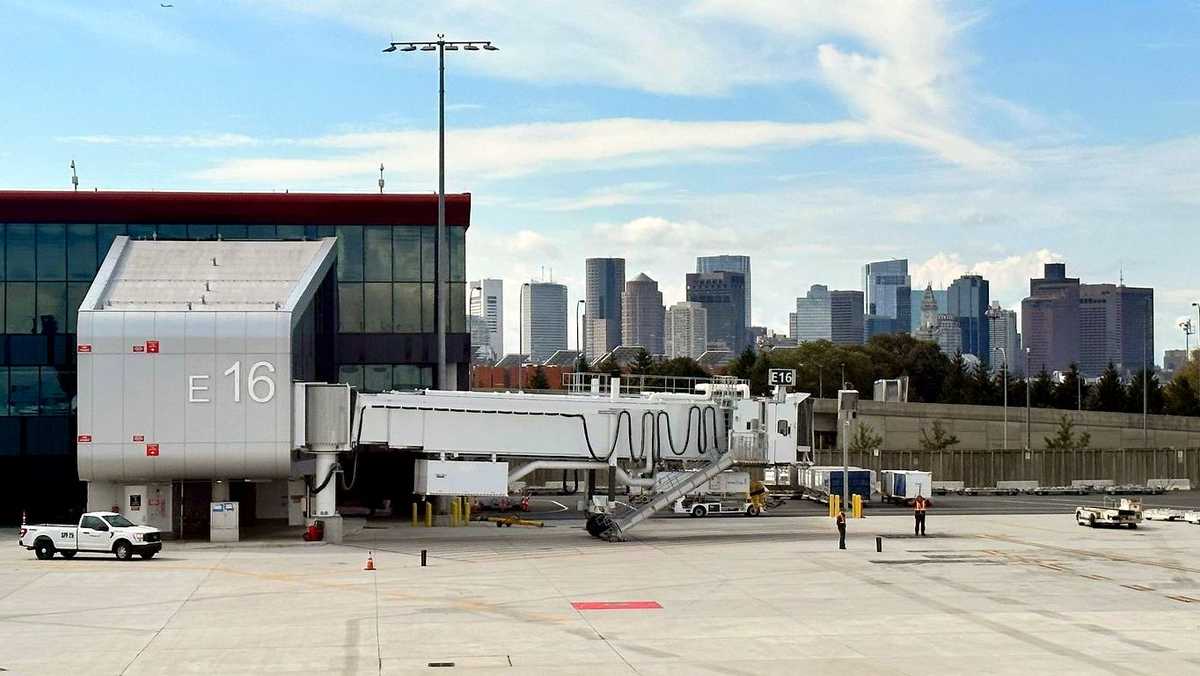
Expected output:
(581, 364)
(1067, 392)
(955, 386)
(608, 366)
(1179, 398)
(1064, 437)
(742, 365)
(1108, 394)
(642, 364)
(1153, 393)
(1041, 391)
(981, 387)
(864, 438)
(938, 439)
(684, 367)
(538, 380)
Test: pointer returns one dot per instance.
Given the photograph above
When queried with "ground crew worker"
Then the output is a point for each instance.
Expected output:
(841, 526)
(919, 507)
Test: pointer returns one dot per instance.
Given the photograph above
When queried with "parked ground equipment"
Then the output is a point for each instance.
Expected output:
(1114, 512)
(903, 486)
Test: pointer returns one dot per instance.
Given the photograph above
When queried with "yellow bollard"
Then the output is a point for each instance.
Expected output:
(429, 515)
(466, 511)
(856, 505)
(453, 512)
(834, 505)
(414, 515)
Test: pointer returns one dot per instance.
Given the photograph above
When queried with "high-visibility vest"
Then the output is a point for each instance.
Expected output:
(841, 519)
(919, 505)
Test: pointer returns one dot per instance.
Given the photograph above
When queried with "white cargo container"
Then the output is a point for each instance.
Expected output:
(725, 483)
(459, 477)
(904, 485)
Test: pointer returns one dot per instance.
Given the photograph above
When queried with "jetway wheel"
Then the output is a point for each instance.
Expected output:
(596, 524)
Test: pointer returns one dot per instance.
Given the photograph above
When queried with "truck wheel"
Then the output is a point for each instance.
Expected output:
(1133, 525)
(753, 510)
(1092, 520)
(147, 555)
(699, 510)
(68, 554)
(123, 551)
(43, 549)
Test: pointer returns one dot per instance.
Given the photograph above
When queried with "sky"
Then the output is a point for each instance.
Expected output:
(985, 137)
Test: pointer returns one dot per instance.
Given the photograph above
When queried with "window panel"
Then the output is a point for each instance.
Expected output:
(406, 254)
(20, 308)
(377, 248)
(22, 265)
(350, 308)
(406, 303)
(4, 389)
(377, 315)
(231, 231)
(290, 232)
(54, 398)
(51, 307)
(260, 231)
(350, 253)
(3, 236)
(173, 231)
(427, 236)
(428, 310)
(75, 293)
(28, 350)
(458, 254)
(457, 309)
(351, 374)
(202, 232)
(142, 231)
(23, 390)
(48, 436)
(81, 252)
(105, 234)
(52, 251)
(378, 378)
(10, 429)
(411, 377)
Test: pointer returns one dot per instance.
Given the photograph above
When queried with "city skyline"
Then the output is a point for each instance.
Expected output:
(969, 138)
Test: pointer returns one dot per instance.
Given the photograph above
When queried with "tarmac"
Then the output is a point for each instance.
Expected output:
(981, 594)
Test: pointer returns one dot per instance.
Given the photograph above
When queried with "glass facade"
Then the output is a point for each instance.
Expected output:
(385, 315)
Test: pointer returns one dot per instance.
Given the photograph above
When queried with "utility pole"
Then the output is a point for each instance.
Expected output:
(1028, 447)
(1004, 386)
(580, 304)
(441, 255)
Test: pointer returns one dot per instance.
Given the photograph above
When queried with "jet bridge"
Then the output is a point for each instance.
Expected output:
(633, 435)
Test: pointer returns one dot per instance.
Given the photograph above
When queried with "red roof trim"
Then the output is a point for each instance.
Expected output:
(218, 208)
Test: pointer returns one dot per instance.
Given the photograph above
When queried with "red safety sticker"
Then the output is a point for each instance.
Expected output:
(615, 605)
(152, 346)
(152, 450)
(139, 348)
(84, 347)
(85, 438)
(139, 437)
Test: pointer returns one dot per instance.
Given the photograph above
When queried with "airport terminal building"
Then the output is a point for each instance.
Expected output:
(324, 287)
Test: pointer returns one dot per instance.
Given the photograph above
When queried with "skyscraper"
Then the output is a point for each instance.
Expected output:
(543, 319)
(887, 291)
(812, 319)
(728, 263)
(723, 295)
(967, 301)
(605, 282)
(1115, 326)
(1002, 333)
(487, 305)
(643, 314)
(1050, 320)
(917, 295)
(938, 327)
(686, 330)
(846, 317)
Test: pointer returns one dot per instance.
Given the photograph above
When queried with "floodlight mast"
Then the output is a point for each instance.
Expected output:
(441, 45)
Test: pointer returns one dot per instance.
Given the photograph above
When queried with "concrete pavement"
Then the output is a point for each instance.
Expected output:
(982, 594)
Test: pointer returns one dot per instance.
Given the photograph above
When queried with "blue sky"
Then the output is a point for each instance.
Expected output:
(813, 136)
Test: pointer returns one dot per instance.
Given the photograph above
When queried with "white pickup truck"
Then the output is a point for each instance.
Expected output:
(96, 532)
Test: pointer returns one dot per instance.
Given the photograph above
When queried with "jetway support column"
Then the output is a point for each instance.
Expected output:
(325, 500)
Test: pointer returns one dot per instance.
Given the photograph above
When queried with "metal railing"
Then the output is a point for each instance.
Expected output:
(633, 384)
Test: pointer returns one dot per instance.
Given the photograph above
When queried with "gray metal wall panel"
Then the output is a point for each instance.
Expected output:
(170, 330)
(139, 396)
(260, 332)
(229, 397)
(108, 333)
(230, 333)
(108, 406)
(200, 420)
(170, 398)
(201, 331)
(139, 327)
(200, 461)
(107, 461)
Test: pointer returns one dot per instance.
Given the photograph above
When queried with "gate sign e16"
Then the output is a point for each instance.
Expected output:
(785, 377)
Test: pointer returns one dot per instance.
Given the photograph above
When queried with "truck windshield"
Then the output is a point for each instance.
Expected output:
(117, 520)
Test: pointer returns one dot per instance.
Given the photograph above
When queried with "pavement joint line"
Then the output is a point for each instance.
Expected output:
(158, 632)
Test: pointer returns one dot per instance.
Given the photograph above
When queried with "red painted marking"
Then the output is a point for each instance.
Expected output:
(152, 450)
(615, 605)
(85, 438)
(85, 347)
(139, 348)
(139, 437)
(152, 346)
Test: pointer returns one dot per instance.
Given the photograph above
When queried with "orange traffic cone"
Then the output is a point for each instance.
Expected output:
(370, 562)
